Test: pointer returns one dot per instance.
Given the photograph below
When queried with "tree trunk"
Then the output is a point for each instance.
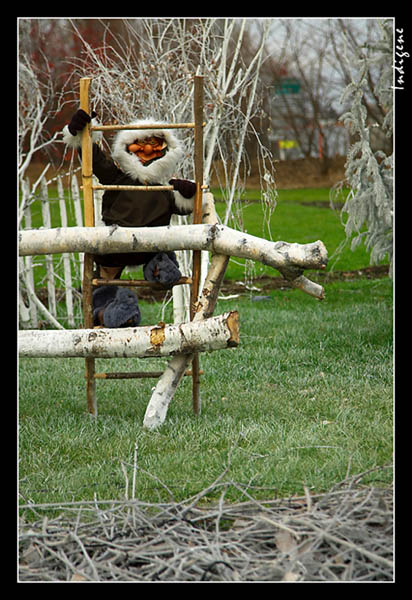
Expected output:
(133, 342)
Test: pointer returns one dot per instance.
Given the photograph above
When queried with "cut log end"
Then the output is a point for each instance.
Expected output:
(232, 323)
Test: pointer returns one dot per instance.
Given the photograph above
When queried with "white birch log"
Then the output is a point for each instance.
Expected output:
(167, 384)
(133, 342)
(218, 239)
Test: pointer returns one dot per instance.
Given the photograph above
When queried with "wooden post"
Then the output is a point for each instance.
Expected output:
(197, 218)
(87, 156)
(87, 174)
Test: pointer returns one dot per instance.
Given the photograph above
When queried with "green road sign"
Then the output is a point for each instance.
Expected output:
(287, 85)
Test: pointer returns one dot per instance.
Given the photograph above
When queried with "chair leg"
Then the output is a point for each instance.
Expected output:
(88, 324)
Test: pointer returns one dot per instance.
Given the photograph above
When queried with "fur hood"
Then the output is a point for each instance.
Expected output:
(160, 170)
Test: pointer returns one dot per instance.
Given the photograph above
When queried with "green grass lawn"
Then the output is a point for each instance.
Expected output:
(296, 219)
(304, 400)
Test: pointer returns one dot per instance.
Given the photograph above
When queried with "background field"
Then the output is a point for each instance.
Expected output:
(306, 399)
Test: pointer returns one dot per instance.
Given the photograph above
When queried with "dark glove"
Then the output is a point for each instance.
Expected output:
(79, 120)
(118, 305)
(123, 311)
(185, 187)
(163, 268)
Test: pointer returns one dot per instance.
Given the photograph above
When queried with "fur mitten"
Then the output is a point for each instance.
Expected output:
(185, 187)
(163, 268)
(72, 135)
(79, 120)
(119, 305)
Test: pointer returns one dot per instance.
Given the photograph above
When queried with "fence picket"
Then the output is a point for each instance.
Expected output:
(78, 215)
(71, 264)
(45, 209)
(66, 257)
(28, 268)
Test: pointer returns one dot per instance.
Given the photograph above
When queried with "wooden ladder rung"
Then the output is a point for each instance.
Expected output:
(137, 375)
(130, 126)
(142, 188)
(139, 282)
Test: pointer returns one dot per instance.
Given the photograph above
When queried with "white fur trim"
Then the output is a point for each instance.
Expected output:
(184, 204)
(160, 170)
(75, 141)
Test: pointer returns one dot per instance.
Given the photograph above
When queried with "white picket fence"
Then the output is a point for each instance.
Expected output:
(50, 286)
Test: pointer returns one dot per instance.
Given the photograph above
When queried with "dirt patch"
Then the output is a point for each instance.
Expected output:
(294, 174)
(264, 283)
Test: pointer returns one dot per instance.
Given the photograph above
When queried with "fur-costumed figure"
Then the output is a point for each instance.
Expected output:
(139, 157)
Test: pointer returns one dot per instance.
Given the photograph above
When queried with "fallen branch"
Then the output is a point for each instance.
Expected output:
(344, 535)
(133, 342)
(214, 238)
(167, 384)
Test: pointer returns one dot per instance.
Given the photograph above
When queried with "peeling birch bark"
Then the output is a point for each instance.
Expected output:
(309, 287)
(299, 281)
(167, 384)
(133, 342)
(217, 239)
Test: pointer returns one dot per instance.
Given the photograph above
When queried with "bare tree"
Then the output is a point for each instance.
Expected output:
(320, 56)
(149, 74)
(41, 87)
(351, 42)
(39, 100)
(36, 104)
(303, 60)
(369, 171)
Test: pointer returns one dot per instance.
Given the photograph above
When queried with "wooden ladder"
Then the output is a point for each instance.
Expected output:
(88, 189)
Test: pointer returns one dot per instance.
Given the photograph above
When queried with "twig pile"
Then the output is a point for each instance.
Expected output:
(343, 535)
